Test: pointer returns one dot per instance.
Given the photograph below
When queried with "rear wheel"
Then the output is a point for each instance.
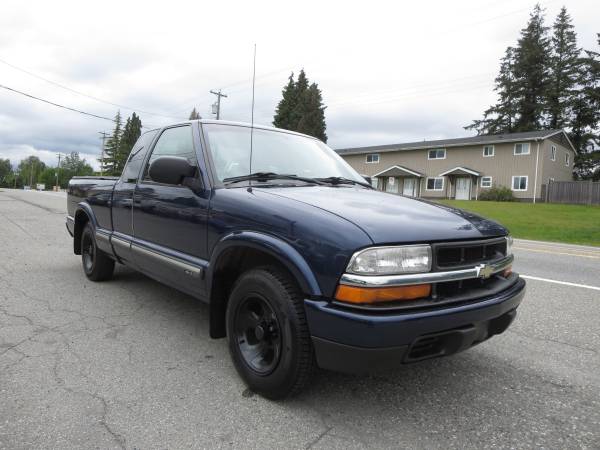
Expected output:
(97, 265)
(268, 336)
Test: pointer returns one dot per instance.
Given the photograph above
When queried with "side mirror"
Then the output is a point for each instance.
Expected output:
(170, 170)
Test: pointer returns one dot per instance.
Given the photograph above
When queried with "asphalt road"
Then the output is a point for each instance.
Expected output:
(128, 364)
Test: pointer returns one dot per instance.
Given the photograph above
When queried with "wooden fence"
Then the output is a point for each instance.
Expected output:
(574, 192)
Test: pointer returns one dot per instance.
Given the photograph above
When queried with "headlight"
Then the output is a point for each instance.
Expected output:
(509, 244)
(391, 260)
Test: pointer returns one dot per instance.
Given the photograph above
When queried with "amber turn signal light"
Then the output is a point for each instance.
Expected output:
(358, 295)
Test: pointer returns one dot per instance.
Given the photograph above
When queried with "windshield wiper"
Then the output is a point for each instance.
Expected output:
(266, 176)
(342, 180)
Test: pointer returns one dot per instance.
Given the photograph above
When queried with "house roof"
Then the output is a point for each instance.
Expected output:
(445, 143)
(397, 171)
(460, 171)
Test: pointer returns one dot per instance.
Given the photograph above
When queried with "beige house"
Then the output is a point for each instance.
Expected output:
(463, 168)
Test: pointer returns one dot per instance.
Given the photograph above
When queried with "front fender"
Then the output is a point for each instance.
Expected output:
(277, 248)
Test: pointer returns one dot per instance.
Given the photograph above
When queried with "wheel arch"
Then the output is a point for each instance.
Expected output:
(241, 251)
(83, 215)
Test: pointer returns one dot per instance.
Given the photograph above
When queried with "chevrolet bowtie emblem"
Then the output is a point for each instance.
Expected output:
(485, 271)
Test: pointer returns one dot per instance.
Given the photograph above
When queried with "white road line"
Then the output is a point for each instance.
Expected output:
(582, 255)
(565, 283)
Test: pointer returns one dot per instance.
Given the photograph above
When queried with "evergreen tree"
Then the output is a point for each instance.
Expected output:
(531, 72)
(564, 72)
(585, 133)
(285, 108)
(301, 108)
(111, 149)
(194, 115)
(522, 83)
(312, 118)
(130, 135)
(501, 117)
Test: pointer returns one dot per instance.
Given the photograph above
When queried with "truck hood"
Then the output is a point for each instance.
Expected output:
(391, 218)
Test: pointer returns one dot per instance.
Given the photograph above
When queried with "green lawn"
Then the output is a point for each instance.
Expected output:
(573, 224)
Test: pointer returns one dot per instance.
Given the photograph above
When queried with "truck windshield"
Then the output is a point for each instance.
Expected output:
(273, 152)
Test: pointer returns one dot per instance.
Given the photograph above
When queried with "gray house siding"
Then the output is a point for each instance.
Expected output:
(502, 166)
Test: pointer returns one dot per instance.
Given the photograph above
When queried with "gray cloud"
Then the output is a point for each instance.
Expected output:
(385, 80)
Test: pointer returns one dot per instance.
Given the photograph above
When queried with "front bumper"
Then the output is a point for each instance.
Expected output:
(360, 342)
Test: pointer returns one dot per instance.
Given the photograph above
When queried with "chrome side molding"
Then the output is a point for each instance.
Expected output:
(176, 264)
(478, 271)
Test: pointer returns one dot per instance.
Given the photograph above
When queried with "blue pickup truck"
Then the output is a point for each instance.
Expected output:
(302, 262)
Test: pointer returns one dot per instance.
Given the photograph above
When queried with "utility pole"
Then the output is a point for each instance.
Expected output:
(57, 169)
(103, 135)
(219, 95)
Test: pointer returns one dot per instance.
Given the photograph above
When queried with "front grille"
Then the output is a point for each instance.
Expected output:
(454, 255)
(448, 256)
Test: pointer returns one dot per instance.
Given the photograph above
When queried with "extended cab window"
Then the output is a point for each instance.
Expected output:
(173, 142)
(136, 157)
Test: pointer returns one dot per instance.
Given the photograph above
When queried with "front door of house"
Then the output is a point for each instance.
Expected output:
(409, 187)
(463, 188)
(392, 185)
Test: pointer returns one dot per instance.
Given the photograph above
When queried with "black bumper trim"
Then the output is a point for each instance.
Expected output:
(360, 360)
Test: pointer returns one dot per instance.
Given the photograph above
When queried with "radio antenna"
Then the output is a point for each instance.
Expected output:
(252, 116)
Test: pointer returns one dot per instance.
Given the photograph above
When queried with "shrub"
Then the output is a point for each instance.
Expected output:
(497, 194)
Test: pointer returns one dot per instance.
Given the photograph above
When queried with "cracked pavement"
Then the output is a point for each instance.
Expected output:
(128, 364)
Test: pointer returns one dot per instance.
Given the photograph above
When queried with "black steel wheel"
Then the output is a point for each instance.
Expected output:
(267, 332)
(97, 265)
(258, 334)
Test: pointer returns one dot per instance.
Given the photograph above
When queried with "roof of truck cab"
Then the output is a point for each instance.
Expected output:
(239, 124)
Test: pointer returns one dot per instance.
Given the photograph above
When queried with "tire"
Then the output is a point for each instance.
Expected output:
(268, 335)
(97, 265)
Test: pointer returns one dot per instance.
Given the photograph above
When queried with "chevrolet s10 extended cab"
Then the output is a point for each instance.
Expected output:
(302, 262)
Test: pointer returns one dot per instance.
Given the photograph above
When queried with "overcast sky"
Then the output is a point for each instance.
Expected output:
(389, 71)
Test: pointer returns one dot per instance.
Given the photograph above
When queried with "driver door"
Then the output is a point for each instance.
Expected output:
(169, 221)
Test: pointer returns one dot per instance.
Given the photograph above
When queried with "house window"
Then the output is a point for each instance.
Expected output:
(438, 153)
(553, 153)
(567, 159)
(519, 183)
(435, 184)
(522, 148)
(486, 182)
(372, 158)
(488, 150)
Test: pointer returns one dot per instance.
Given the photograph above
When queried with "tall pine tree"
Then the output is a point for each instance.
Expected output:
(585, 132)
(501, 117)
(131, 133)
(312, 119)
(301, 108)
(194, 115)
(522, 83)
(531, 72)
(283, 113)
(565, 66)
(112, 147)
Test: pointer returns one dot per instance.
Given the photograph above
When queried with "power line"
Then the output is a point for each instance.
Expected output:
(84, 94)
(58, 105)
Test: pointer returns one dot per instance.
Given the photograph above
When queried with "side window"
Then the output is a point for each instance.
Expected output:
(372, 158)
(136, 157)
(173, 142)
